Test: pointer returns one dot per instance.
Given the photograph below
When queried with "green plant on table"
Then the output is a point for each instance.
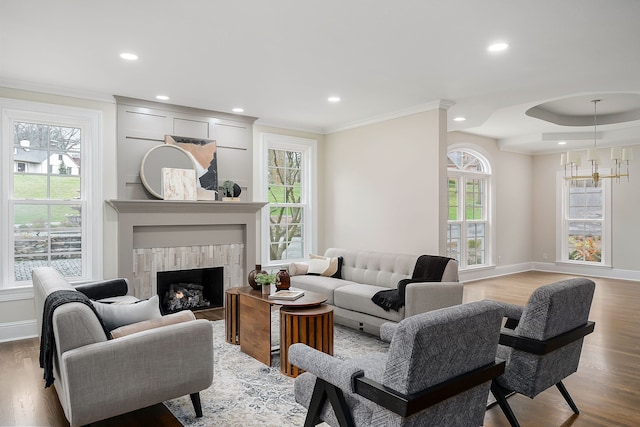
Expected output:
(265, 278)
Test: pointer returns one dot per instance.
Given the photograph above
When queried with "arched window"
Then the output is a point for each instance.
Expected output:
(468, 227)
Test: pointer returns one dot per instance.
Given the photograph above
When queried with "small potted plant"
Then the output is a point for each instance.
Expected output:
(230, 191)
(265, 280)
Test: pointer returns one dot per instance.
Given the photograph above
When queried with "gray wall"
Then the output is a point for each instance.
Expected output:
(143, 125)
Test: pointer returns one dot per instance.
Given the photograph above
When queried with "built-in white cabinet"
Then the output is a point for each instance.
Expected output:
(144, 124)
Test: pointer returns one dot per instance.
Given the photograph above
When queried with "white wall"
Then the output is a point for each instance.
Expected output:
(382, 186)
(17, 312)
(512, 184)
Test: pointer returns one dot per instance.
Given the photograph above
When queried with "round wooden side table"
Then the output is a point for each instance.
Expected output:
(311, 326)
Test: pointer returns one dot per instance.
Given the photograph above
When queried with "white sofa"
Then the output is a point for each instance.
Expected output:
(364, 273)
(97, 378)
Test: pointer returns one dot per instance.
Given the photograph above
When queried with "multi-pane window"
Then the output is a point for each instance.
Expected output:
(47, 203)
(289, 163)
(467, 228)
(286, 207)
(584, 222)
(48, 194)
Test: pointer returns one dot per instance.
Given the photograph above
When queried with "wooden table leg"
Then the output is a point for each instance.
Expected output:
(255, 328)
(231, 316)
(312, 326)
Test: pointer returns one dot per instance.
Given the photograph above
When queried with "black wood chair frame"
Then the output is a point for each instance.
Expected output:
(399, 403)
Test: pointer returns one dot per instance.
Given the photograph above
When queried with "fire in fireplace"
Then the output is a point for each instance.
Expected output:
(195, 289)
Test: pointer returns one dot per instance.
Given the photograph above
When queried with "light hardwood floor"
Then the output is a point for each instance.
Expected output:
(606, 387)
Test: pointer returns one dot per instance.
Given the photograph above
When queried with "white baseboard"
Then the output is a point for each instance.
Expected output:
(580, 270)
(13, 331)
(587, 270)
(500, 270)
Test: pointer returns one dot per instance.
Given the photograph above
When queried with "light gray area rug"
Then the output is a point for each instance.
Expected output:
(246, 392)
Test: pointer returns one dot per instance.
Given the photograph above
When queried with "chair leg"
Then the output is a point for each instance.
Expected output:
(500, 393)
(318, 398)
(567, 397)
(321, 392)
(197, 406)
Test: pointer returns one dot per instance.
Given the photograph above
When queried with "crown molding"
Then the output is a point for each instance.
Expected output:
(56, 90)
(441, 104)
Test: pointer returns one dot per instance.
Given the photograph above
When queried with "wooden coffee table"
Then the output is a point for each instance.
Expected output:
(254, 316)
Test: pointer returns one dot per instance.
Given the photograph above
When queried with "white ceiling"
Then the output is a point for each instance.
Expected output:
(281, 59)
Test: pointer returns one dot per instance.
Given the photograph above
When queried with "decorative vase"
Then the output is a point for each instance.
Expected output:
(252, 276)
(266, 289)
(283, 280)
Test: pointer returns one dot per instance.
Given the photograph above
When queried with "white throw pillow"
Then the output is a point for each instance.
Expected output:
(319, 266)
(116, 315)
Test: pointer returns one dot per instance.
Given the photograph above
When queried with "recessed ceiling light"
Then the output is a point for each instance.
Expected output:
(238, 110)
(162, 97)
(128, 56)
(562, 142)
(459, 119)
(333, 99)
(498, 47)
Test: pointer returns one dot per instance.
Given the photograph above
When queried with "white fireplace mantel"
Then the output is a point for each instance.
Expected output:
(160, 215)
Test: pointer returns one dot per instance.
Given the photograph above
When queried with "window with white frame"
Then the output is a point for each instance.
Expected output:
(468, 224)
(50, 191)
(584, 221)
(289, 187)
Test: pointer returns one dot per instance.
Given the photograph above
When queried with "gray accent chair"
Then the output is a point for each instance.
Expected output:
(542, 341)
(437, 372)
(96, 378)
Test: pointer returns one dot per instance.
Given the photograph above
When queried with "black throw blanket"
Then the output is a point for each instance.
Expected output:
(47, 341)
(429, 268)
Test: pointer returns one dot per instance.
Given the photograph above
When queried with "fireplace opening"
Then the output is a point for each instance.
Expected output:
(195, 289)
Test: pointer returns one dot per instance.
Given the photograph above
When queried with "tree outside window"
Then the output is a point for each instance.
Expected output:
(286, 209)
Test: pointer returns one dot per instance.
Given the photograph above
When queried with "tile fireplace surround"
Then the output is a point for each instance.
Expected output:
(166, 235)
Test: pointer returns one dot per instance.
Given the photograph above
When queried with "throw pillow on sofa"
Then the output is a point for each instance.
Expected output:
(318, 266)
(116, 315)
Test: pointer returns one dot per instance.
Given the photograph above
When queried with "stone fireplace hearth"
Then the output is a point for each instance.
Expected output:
(165, 235)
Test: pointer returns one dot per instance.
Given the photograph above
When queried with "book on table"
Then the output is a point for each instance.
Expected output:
(287, 295)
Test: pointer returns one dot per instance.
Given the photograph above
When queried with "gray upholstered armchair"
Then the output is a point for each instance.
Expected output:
(542, 341)
(437, 372)
(98, 378)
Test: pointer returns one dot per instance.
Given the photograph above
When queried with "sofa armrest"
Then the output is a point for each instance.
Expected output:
(76, 325)
(429, 296)
(104, 288)
(338, 372)
(117, 376)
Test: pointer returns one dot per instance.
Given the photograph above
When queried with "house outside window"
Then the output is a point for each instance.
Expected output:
(289, 187)
(54, 217)
(468, 227)
(584, 221)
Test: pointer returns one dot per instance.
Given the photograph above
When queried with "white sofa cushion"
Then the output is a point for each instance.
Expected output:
(374, 268)
(318, 284)
(357, 297)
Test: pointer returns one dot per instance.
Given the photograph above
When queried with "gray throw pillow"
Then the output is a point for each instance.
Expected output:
(116, 315)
